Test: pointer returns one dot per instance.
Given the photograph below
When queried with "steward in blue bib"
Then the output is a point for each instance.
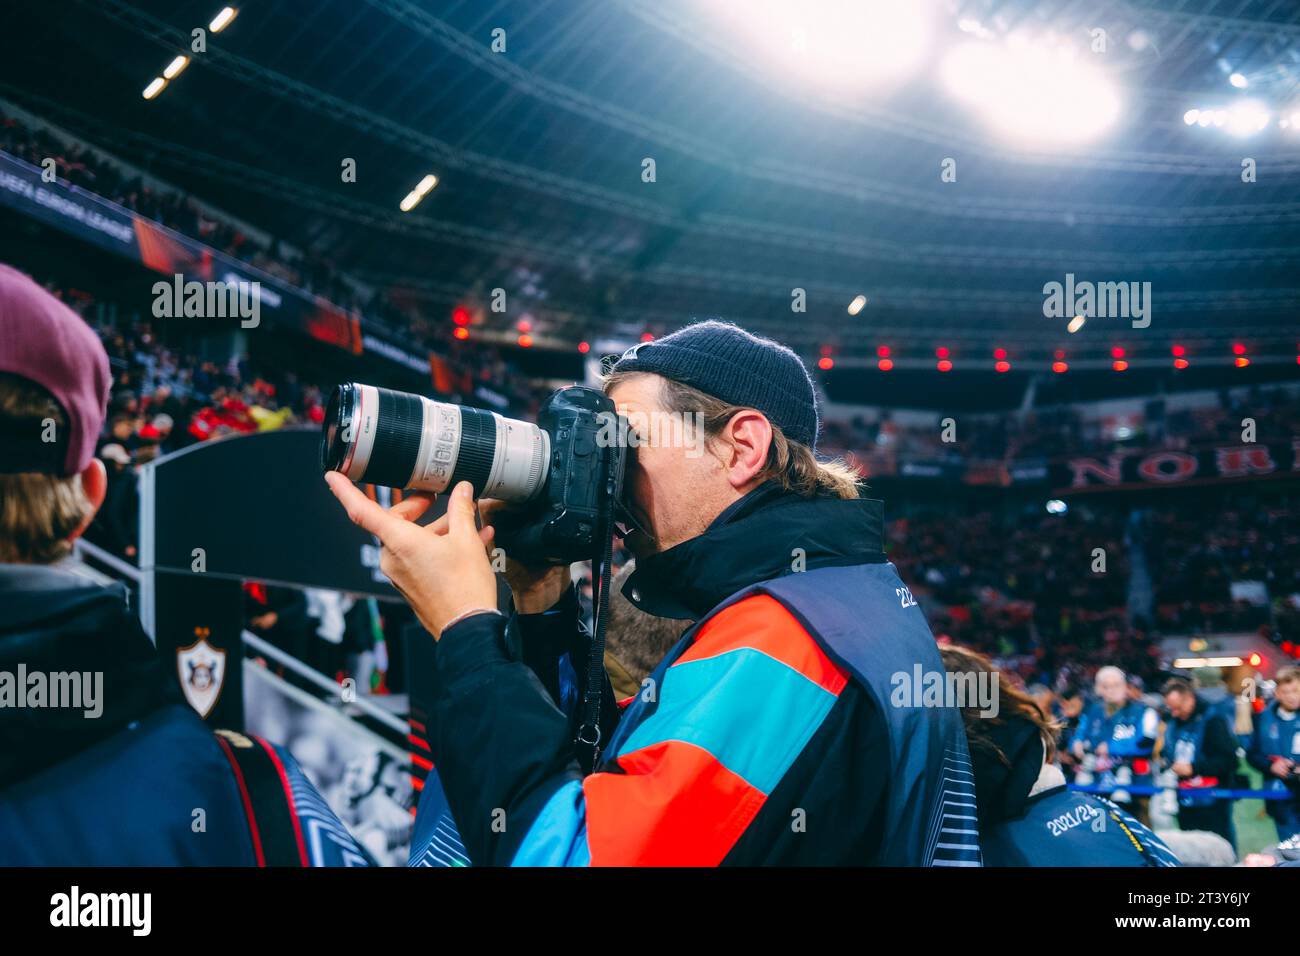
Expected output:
(1274, 740)
(1027, 815)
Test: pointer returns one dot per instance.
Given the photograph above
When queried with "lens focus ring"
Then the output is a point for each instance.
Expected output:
(398, 428)
(478, 443)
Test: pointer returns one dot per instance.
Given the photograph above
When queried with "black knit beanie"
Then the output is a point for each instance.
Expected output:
(725, 361)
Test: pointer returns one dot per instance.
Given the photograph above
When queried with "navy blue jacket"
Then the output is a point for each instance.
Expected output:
(145, 782)
(802, 625)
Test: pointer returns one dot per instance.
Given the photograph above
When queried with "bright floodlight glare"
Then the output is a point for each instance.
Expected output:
(856, 305)
(1247, 118)
(175, 66)
(222, 19)
(154, 88)
(411, 200)
(1239, 81)
(427, 183)
(1191, 116)
(841, 46)
(1033, 89)
(1076, 324)
(1057, 507)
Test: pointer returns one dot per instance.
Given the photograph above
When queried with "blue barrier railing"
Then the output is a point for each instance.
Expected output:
(1221, 793)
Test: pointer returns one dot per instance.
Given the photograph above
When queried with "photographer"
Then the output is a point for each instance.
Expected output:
(1027, 814)
(1200, 750)
(768, 734)
(125, 773)
(1115, 738)
(1275, 751)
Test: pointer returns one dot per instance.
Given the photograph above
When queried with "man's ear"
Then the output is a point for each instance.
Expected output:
(749, 436)
(94, 482)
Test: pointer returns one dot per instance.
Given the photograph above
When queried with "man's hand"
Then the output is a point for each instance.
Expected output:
(442, 570)
(1183, 769)
(1281, 767)
(264, 622)
(535, 589)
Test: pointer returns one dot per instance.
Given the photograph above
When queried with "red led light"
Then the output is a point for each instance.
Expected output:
(1255, 660)
(460, 315)
(1180, 363)
(1059, 353)
(523, 325)
(584, 347)
(1003, 366)
(461, 333)
(999, 354)
(941, 352)
(1179, 351)
(882, 351)
(647, 337)
(885, 364)
(945, 365)
(1119, 366)
(1058, 367)
(1242, 361)
(1238, 349)
(526, 341)
(1117, 352)
(825, 363)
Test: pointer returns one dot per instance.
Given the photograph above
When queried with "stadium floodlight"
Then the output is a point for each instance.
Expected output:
(1194, 663)
(222, 19)
(175, 67)
(840, 46)
(421, 190)
(856, 305)
(1239, 81)
(1038, 90)
(1076, 324)
(155, 87)
(1057, 507)
(1191, 116)
(1247, 118)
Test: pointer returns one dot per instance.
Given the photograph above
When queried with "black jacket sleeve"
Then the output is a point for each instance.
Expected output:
(501, 745)
(1218, 757)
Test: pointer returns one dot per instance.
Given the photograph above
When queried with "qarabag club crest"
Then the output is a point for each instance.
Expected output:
(202, 670)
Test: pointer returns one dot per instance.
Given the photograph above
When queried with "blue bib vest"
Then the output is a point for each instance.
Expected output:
(1280, 738)
(1183, 742)
(1065, 828)
(864, 619)
(1121, 732)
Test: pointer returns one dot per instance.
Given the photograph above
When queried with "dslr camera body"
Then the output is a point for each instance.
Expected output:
(565, 472)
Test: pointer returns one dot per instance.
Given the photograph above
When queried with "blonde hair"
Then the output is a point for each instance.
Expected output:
(793, 465)
(38, 513)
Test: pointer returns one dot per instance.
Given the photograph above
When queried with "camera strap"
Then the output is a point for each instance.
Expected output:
(589, 731)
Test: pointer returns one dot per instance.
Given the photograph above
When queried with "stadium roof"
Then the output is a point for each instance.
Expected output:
(763, 183)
